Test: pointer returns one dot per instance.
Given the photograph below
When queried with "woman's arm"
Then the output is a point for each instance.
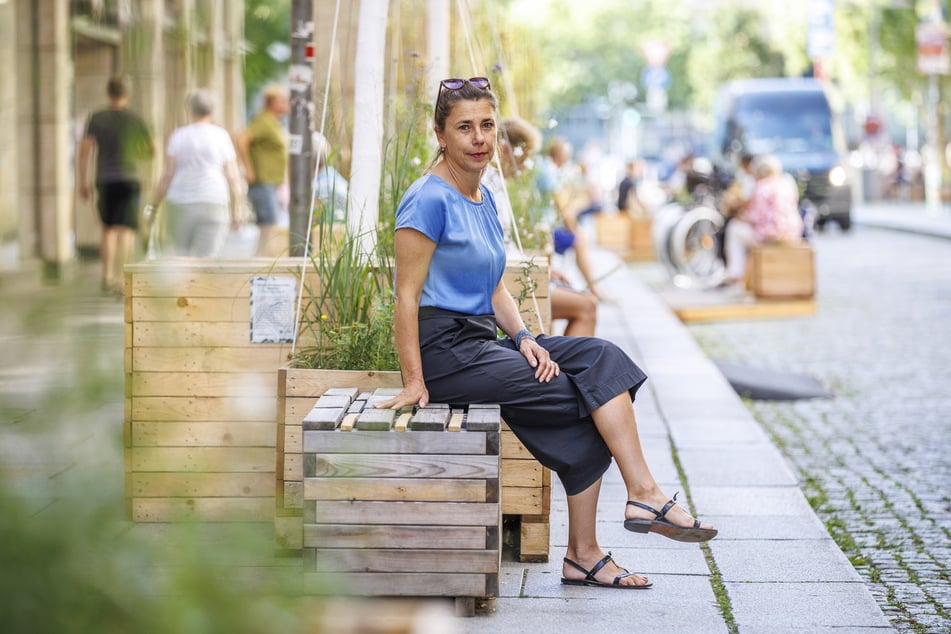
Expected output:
(414, 252)
(233, 176)
(509, 319)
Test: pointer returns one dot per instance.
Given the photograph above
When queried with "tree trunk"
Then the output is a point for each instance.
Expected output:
(365, 170)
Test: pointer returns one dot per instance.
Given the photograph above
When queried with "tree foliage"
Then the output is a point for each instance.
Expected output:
(266, 23)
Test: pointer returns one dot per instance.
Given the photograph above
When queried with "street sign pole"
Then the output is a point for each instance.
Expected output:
(300, 142)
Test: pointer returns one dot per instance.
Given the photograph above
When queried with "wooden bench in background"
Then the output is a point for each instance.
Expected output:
(404, 505)
(782, 271)
(629, 236)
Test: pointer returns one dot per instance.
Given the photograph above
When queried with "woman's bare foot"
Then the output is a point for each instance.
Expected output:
(664, 516)
(578, 571)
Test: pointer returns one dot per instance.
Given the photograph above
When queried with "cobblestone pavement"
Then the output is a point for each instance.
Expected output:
(873, 459)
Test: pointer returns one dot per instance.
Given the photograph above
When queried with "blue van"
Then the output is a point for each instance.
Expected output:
(794, 119)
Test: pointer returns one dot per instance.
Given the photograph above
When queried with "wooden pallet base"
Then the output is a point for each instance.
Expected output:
(692, 306)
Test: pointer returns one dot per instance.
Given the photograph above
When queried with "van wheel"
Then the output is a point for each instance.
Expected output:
(844, 223)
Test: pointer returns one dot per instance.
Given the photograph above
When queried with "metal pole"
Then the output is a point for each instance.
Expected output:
(301, 78)
(932, 159)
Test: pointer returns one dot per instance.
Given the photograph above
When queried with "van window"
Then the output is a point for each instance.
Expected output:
(783, 123)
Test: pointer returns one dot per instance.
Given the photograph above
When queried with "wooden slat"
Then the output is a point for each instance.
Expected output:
(202, 434)
(202, 484)
(236, 360)
(405, 466)
(390, 489)
(405, 560)
(190, 309)
(512, 447)
(176, 383)
(433, 513)
(524, 472)
(398, 584)
(412, 442)
(186, 409)
(311, 383)
(203, 459)
(419, 537)
(214, 334)
(522, 500)
(430, 419)
(373, 419)
(218, 509)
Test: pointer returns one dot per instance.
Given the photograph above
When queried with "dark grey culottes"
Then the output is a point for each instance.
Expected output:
(465, 362)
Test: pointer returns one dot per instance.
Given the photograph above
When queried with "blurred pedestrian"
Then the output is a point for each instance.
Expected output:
(331, 189)
(561, 181)
(627, 199)
(200, 183)
(771, 215)
(518, 142)
(263, 150)
(123, 143)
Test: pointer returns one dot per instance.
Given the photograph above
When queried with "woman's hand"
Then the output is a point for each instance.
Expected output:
(414, 393)
(538, 358)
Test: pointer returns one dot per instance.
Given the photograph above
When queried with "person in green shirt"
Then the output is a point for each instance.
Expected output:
(262, 148)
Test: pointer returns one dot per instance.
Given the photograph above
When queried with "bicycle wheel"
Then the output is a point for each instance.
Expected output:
(693, 247)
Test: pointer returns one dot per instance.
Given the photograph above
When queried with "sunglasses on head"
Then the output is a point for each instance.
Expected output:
(456, 84)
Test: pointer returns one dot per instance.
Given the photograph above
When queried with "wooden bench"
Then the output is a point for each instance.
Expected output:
(525, 483)
(401, 505)
(629, 236)
(782, 271)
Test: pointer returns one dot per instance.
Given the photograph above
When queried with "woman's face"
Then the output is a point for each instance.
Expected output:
(470, 135)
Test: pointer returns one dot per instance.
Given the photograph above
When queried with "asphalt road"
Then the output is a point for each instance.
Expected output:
(873, 458)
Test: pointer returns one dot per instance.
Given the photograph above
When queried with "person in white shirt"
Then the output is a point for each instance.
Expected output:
(200, 183)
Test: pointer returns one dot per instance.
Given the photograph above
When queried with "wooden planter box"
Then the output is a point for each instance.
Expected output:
(782, 271)
(630, 237)
(201, 429)
(406, 505)
(525, 484)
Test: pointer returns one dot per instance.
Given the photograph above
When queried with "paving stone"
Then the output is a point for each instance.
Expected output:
(759, 465)
(780, 608)
(782, 561)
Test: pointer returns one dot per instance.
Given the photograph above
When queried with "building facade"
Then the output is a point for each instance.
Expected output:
(55, 58)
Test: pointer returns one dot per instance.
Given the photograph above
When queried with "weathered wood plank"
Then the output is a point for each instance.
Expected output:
(418, 442)
(395, 513)
(417, 537)
(177, 383)
(218, 509)
(524, 472)
(390, 489)
(398, 584)
(236, 360)
(204, 408)
(405, 560)
(483, 418)
(373, 419)
(203, 459)
(323, 418)
(167, 485)
(202, 434)
(401, 466)
(310, 383)
(430, 419)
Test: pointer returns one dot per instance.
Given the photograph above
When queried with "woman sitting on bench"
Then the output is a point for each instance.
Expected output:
(568, 399)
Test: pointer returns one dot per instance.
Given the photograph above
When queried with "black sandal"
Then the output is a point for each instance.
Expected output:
(661, 526)
(589, 579)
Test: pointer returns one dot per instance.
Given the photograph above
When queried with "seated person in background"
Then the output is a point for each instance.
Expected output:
(331, 189)
(518, 142)
(771, 215)
(627, 199)
(561, 181)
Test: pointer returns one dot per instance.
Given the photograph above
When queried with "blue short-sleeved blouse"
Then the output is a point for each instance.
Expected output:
(469, 259)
